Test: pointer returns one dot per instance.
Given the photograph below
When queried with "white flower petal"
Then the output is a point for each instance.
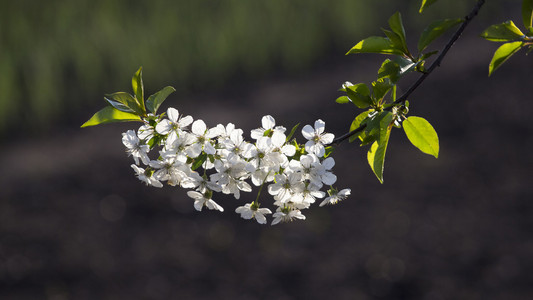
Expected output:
(319, 126)
(173, 114)
(327, 138)
(268, 122)
(198, 127)
(260, 218)
(308, 132)
(329, 178)
(185, 121)
(278, 139)
(164, 127)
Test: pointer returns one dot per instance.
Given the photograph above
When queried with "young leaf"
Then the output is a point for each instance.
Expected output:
(396, 41)
(422, 135)
(374, 126)
(155, 100)
(126, 100)
(293, 130)
(376, 153)
(434, 30)
(343, 99)
(389, 69)
(138, 88)
(109, 115)
(359, 95)
(527, 13)
(357, 122)
(375, 44)
(198, 161)
(502, 54)
(396, 25)
(503, 32)
(425, 4)
(119, 106)
(381, 87)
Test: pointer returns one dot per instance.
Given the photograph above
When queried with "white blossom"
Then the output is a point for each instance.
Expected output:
(144, 177)
(135, 148)
(201, 200)
(175, 124)
(202, 138)
(251, 210)
(269, 124)
(335, 197)
(286, 214)
(316, 138)
(228, 163)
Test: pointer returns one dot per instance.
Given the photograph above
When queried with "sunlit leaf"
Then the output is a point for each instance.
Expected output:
(109, 115)
(434, 30)
(502, 54)
(376, 153)
(422, 135)
(154, 101)
(343, 100)
(504, 32)
(375, 44)
(425, 4)
(357, 122)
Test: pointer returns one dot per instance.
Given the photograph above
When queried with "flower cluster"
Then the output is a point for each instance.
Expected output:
(219, 159)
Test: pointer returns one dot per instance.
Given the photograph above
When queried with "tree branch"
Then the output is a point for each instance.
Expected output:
(421, 79)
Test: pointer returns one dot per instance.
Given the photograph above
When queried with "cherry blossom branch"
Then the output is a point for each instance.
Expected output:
(423, 77)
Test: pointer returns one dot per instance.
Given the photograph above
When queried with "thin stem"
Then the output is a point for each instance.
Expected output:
(423, 77)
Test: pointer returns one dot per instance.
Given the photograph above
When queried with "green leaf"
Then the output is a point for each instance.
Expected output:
(126, 100)
(293, 130)
(359, 94)
(396, 25)
(428, 55)
(357, 122)
(394, 69)
(138, 88)
(381, 87)
(198, 161)
(375, 44)
(376, 153)
(434, 30)
(109, 115)
(155, 100)
(422, 135)
(527, 13)
(502, 54)
(425, 4)
(374, 126)
(396, 41)
(119, 106)
(343, 99)
(389, 69)
(504, 32)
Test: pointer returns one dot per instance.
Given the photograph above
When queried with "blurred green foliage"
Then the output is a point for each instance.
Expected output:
(59, 57)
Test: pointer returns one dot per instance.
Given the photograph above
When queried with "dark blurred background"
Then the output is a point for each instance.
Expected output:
(76, 224)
